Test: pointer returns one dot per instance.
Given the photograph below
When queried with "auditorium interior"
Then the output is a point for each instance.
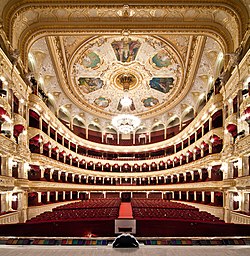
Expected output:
(125, 117)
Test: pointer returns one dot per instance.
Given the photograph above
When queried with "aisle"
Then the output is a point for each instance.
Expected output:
(125, 211)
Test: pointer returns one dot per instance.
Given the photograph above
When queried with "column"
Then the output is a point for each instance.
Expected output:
(246, 202)
(209, 171)
(212, 197)
(22, 206)
(185, 177)
(195, 196)
(40, 123)
(179, 195)
(6, 166)
(70, 195)
(210, 147)
(63, 196)
(39, 197)
(9, 201)
(187, 195)
(228, 205)
(245, 166)
(200, 174)
(56, 196)
(51, 171)
(192, 175)
(210, 123)
(42, 172)
(48, 196)
(203, 196)
(49, 130)
(22, 173)
(3, 202)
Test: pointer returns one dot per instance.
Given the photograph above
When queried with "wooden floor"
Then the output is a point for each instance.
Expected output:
(36, 250)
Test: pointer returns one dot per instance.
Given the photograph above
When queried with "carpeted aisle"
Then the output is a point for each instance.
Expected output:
(125, 211)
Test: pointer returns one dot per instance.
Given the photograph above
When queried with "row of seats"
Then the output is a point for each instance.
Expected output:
(161, 213)
(162, 209)
(76, 214)
(159, 203)
(92, 209)
(92, 203)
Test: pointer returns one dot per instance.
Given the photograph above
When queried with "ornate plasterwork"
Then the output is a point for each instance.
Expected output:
(6, 183)
(18, 18)
(7, 146)
(96, 69)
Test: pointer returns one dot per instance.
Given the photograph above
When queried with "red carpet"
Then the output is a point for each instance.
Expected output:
(125, 211)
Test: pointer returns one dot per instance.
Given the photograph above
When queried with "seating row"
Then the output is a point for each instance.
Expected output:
(160, 203)
(76, 214)
(92, 203)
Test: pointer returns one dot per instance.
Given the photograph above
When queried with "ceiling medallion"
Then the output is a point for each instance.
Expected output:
(126, 80)
(126, 123)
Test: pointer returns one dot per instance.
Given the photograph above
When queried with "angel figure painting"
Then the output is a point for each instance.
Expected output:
(161, 59)
(90, 60)
(162, 84)
(126, 49)
(90, 84)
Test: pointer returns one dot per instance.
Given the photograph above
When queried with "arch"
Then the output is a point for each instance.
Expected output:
(201, 103)
(63, 115)
(187, 114)
(78, 122)
(94, 127)
(173, 121)
(157, 127)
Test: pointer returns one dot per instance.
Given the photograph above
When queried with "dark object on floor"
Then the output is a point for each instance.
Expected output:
(125, 241)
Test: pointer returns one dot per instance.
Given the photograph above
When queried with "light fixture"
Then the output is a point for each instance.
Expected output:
(126, 101)
(126, 123)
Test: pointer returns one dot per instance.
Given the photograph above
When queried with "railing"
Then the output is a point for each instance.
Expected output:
(240, 218)
(9, 218)
(33, 211)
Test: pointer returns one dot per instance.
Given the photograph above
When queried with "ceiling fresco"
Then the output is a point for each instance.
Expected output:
(106, 67)
(159, 75)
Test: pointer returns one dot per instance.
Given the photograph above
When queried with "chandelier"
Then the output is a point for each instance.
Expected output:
(126, 123)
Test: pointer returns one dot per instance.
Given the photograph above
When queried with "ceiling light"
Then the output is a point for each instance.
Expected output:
(126, 123)
(126, 101)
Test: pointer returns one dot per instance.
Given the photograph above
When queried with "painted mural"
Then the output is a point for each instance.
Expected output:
(150, 102)
(162, 84)
(90, 60)
(102, 102)
(90, 84)
(161, 59)
(126, 50)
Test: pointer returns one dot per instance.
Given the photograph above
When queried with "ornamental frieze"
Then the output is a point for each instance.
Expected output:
(7, 145)
(6, 183)
(243, 182)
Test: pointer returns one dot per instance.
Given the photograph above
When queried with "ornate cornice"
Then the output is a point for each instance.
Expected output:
(22, 23)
